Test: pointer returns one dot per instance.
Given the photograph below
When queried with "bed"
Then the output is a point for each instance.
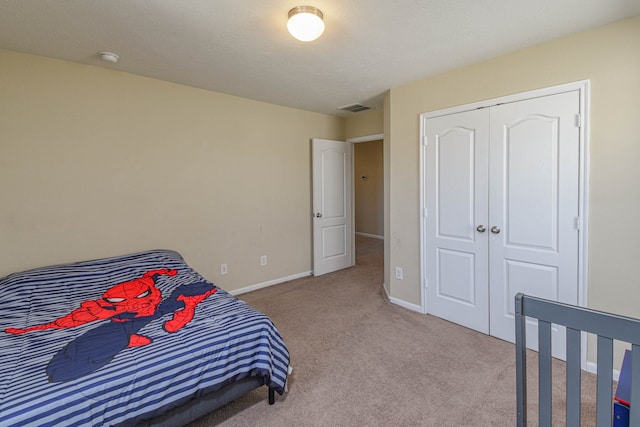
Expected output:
(606, 326)
(140, 339)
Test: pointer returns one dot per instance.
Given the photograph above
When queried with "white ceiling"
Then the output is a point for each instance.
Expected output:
(242, 47)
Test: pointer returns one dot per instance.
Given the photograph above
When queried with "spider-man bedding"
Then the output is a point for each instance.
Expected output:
(122, 339)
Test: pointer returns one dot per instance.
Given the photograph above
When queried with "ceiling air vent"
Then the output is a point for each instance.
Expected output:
(354, 108)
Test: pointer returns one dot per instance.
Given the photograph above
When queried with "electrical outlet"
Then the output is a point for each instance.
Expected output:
(399, 273)
(223, 269)
(263, 260)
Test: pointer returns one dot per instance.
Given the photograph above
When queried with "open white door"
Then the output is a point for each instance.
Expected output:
(332, 216)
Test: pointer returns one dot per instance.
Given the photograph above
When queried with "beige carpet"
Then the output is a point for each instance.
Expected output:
(359, 360)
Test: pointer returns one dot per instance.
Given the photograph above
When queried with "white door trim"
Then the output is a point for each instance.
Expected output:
(583, 87)
(367, 138)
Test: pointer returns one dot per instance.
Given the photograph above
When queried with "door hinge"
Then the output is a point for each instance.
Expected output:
(579, 120)
(426, 284)
(578, 223)
(425, 141)
(424, 212)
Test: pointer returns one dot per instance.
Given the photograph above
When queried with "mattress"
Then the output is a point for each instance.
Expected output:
(74, 352)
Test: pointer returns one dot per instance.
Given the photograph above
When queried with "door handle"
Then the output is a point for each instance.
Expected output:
(318, 215)
(481, 229)
(495, 229)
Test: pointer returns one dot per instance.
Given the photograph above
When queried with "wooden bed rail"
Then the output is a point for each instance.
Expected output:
(606, 326)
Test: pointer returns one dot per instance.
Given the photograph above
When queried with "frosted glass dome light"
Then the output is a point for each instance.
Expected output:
(305, 23)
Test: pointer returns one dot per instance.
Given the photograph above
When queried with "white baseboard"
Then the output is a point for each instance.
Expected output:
(257, 286)
(374, 236)
(592, 367)
(401, 303)
(408, 305)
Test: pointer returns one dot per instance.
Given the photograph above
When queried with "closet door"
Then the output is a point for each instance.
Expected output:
(456, 229)
(533, 207)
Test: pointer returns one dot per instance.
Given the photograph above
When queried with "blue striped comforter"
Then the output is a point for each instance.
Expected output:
(227, 340)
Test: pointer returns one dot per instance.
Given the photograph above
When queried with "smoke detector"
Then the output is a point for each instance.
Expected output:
(109, 57)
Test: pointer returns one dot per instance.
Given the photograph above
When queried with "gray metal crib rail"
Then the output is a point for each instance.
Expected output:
(607, 327)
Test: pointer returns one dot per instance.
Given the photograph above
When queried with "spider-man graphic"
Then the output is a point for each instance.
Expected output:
(130, 306)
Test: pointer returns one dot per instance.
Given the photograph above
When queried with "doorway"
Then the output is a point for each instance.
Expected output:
(368, 201)
(332, 161)
(368, 187)
(368, 196)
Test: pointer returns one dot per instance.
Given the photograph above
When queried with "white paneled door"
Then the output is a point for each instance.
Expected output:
(533, 203)
(502, 199)
(332, 215)
(457, 160)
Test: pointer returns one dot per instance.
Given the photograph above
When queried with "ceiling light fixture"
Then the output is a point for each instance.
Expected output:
(305, 23)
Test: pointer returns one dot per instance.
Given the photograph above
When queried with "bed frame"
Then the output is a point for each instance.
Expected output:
(197, 408)
(606, 326)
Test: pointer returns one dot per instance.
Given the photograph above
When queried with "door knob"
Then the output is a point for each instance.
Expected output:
(480, 229)
(318, 215)
(495, 229)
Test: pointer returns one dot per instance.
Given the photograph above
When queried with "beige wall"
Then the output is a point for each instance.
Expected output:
(610, 58)
(368, 186)
(95, 162)
(365, 123)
